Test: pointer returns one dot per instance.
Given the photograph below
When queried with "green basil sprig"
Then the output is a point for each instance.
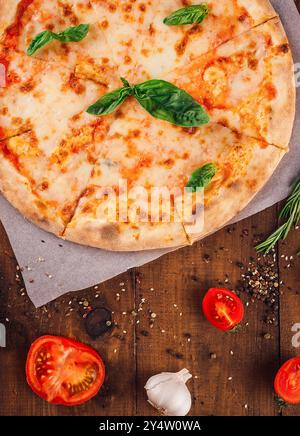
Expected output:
(72, 34)
(188, 15)
(161, 99)
(202, 177)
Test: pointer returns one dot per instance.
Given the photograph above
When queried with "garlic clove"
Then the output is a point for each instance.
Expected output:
(164, 377)
(168, 393)
(184, 375)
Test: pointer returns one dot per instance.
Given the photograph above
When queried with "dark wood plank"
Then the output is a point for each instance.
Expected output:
(181, 337)
(290, 302)
(25, 323)
(174, 341)
(179, 279)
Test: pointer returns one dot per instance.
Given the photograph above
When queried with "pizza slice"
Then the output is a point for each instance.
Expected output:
(126, 25)
(167, 47)
(48, 142)
(136, 197)
(21, 21)
(55, 170)
(16, 188)
(96, 222)
(247, 84)
(250, 164)
(42, 96)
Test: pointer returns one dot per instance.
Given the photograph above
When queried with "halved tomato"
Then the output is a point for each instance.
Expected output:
(63, 371)
(223, 309)
(287, 381)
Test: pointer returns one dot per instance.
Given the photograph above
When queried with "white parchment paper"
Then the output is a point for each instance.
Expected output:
(53, 267)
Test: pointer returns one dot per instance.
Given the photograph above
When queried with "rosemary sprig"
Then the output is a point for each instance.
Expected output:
(290, 213)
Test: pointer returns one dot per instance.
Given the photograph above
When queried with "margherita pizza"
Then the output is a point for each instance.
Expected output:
(133, 125)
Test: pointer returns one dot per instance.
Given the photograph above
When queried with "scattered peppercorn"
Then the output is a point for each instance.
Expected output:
(260, 281)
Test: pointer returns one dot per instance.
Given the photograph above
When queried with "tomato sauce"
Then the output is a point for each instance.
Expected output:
(271, 91)
(132, 174)
(4, 64)
(7, 76)
(263, 143)
(14, 30)
(227, 171)
(9, 155)
(2, 134)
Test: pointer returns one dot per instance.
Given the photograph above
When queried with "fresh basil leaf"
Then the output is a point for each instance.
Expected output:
(165, 101)
(39, 41)
(110, 102)
(72, 34)
(161, 99)
(202, 177)
(188, 15)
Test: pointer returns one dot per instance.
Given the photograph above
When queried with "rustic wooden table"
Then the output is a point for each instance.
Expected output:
(233, 374)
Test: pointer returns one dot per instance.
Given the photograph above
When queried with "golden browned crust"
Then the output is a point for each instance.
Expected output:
(17, 191)
(284, 105)
(236, 194)
(261, 10)
(122, 237)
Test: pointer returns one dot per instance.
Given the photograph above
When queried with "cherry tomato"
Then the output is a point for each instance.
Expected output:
(63, 371)
(223, 309)
(287, 381)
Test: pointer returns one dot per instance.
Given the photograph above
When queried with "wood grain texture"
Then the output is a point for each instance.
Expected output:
(290, 303)
(160, 326)
(172, 288)
(223, 386)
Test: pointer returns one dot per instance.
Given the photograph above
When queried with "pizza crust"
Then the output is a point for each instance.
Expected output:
(112, 237)
(261, 10)
(236, 195)
(16, 189)
(284, 105)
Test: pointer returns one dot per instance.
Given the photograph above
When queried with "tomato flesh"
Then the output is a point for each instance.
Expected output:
(223, 309)
(63, 371)
(287, 381)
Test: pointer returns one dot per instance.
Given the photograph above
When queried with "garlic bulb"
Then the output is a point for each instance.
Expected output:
(168, 393)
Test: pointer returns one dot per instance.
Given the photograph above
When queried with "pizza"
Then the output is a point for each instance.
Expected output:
(245, 85)
(195, 104)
